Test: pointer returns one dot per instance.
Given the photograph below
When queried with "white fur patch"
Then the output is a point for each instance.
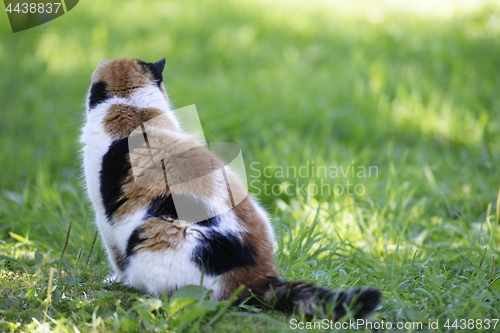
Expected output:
(96, 144)
(167, 270)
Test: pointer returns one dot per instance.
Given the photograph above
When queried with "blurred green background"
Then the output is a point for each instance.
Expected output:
(411, 88)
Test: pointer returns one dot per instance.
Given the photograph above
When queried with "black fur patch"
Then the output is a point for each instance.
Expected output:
(211, 222)
(155, 71)
(163, 206)
(98, 94)
(134, 240)
(220, 253)
(114, 170)
(120, 260)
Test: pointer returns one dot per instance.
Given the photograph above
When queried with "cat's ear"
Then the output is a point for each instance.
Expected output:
(160, 65)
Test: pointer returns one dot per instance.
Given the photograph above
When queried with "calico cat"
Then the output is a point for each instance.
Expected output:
(149, 247)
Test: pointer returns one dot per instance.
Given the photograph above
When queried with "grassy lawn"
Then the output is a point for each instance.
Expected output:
(370, 132)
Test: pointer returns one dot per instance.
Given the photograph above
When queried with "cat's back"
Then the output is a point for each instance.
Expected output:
(141, 226)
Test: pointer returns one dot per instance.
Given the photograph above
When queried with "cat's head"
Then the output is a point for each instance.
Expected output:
(123, 78)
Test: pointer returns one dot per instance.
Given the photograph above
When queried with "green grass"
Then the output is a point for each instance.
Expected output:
(294, 85)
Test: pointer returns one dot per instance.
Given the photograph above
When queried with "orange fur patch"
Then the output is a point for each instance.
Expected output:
(122, 119)
(261, 241)
(183, 161)
(188, 165)
(161, 234)
(121, 76)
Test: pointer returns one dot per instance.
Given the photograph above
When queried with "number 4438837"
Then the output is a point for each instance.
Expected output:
(32, 8)
(471, 324)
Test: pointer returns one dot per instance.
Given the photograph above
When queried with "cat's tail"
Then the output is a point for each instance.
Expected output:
(312, 300)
